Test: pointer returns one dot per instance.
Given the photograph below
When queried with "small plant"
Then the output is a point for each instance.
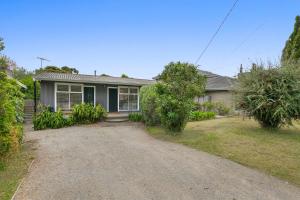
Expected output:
(47, 119)
(199, 116)
(135, 117)
(87, 113)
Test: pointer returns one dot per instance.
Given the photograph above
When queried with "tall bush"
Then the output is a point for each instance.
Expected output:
(149, 103)
(271, 96)
(178, 84)
(11, 114)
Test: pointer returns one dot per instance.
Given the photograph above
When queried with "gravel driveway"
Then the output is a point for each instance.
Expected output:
(123, 162)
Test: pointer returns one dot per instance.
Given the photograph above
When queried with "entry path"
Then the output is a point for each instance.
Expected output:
(124, 162)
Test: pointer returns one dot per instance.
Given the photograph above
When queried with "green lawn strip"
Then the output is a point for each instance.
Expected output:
(276, 152)
(12, 169)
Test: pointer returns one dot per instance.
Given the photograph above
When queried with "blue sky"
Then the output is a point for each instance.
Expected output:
(139, 37)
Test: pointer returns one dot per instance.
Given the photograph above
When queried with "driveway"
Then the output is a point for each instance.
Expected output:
(123, 162)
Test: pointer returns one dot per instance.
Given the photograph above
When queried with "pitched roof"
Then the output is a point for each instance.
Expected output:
(81, 78)
(217, 82)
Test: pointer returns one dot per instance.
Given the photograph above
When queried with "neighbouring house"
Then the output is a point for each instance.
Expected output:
(218, 89)
(115, 94)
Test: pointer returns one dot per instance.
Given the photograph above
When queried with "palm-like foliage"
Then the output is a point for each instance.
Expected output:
(271, 96)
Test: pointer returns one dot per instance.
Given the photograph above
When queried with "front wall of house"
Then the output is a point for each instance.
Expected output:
(225, 97)
(47, 93)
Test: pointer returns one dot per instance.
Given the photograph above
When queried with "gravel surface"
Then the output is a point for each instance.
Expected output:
(123, 162)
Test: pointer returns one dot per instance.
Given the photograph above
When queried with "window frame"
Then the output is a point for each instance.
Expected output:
(66, 92)
(128, 94)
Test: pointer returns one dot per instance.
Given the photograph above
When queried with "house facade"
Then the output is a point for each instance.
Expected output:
(115, 94)
(218, 89)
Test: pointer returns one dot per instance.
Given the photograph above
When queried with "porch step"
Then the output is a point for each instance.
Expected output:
(117, 117)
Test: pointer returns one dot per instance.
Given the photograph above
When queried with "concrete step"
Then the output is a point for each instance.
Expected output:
(116, 119)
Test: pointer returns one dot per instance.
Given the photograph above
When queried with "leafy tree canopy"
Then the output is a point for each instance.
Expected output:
(124, 76)
(291, 51)
(1, 44)
(64, 69)
(178, 84)
(183, 80)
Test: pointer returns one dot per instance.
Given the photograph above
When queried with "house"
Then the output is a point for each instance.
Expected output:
(61, 90)
(218, 89)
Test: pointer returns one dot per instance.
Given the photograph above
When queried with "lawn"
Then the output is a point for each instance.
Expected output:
(12, 169)
(276, 152)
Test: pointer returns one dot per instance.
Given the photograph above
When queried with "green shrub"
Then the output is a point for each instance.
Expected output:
(198, 115)
(178, 84)
(135, 117)
(87, 113)
(221, 109)
(174, 113)
(217, 107)
(47, 119)
(271, 96)
(149, 105)
(11, 114)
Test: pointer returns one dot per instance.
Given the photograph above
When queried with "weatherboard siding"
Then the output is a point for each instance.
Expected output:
(47, 93)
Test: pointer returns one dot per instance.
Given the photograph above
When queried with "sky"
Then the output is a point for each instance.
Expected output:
(139, 37)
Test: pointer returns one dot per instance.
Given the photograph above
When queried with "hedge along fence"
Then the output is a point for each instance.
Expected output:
(81, 114)
(11, 114)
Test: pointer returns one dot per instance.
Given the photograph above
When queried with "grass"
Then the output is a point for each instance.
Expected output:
(275, 152)
(12, 169)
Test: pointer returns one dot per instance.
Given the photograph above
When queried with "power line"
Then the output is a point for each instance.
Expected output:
(247, 38)
(217, 31)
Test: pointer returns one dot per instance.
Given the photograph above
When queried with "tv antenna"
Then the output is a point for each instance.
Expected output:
(42, 59)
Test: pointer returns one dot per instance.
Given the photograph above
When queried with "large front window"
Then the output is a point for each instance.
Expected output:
(128, 99)
(68, 95)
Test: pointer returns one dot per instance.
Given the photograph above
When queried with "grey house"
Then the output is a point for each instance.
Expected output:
(218, 89)
(59, 90)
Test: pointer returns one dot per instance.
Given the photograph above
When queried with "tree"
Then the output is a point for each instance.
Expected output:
(3, 60)
(178, 84)
(70, 70)
(291, 51)
(124, 76)
(1, 44)
(64, 69)
(270, 95)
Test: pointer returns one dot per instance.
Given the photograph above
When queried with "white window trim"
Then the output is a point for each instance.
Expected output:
(94, 93)
(128, 93)
(68, 92)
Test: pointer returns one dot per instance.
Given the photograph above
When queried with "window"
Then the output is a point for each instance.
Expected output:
(128, 99)
(203, 99)
(68, 95)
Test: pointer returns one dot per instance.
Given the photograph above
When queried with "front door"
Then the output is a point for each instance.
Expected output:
(113, 99)
(89, 95)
